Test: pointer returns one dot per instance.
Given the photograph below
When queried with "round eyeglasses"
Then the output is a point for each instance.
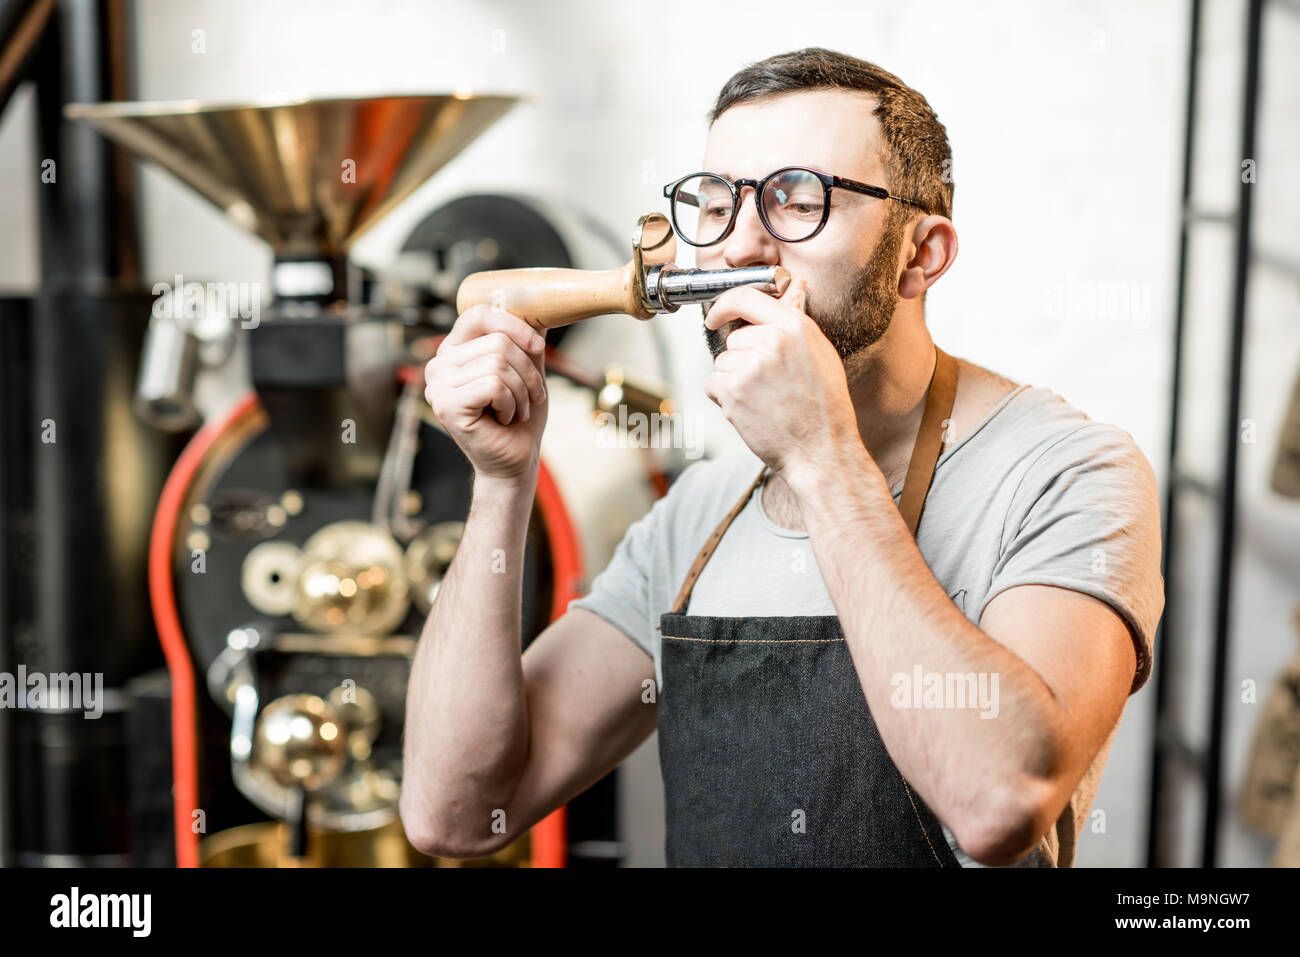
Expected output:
(794, 203)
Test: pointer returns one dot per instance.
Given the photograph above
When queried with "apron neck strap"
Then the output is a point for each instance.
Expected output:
(702, 559)
(929, 439)
(920, 470)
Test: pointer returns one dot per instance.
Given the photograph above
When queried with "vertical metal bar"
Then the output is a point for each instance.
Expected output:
(87, 232)
(1228, 527)
(100, 471)
(1158, 817)
(17, 536)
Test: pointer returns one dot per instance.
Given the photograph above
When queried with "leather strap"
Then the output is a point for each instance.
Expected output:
(929, 439)
(706, 552)
(920, 469)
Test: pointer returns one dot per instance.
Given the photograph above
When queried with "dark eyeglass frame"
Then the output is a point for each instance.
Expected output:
(829, 181)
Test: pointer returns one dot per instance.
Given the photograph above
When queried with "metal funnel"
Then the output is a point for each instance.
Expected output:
(281, 169)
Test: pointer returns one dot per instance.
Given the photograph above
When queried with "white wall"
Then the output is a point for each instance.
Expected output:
(1065, 121)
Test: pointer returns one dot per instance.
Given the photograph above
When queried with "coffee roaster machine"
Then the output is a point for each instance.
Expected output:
(300, 536)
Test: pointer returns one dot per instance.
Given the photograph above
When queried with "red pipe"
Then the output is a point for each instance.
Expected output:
(548, 835)
(162, 597)
(549, 840)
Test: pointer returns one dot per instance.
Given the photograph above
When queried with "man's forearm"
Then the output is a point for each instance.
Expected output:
(466, 737)
(897, 619)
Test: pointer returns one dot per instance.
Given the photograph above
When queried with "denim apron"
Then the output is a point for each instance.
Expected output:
(769, 753)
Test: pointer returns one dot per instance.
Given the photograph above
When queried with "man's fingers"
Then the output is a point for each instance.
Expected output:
(481, 320)
(498, 343)
(747, 337)
(750, 305)
(729, 360)
(488, 392)
(714, 387)
(796, 294)
(495, 366)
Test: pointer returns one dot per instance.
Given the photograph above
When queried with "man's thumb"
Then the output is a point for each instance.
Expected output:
(796, 294)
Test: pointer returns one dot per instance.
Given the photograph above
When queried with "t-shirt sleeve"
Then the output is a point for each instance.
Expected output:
(621, 592)
(1086, 516)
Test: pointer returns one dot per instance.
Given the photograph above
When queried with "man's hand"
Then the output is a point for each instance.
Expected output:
(486, 385)
(780, 381)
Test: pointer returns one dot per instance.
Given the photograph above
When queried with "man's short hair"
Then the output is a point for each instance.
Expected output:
(917, 157)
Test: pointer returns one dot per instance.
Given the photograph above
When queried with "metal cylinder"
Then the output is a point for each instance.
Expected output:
(672, 287)
(164, 394)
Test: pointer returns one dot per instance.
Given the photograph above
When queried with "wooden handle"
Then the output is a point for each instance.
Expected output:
(546, 298)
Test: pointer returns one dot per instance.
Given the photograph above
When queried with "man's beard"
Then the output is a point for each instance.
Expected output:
(860, 317)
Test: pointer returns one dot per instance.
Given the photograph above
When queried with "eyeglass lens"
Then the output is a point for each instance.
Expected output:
(793, 203)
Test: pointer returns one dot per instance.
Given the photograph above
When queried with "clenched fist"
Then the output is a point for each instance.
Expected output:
(487, 387)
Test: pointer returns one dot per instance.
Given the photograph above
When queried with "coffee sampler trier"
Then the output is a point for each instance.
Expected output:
(650, 284)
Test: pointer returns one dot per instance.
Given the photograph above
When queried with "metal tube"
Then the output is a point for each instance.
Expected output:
(164, 393)
(1223, 620)
(1161, 823)
(669, 287)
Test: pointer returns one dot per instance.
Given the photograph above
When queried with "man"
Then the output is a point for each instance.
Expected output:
(899, 630)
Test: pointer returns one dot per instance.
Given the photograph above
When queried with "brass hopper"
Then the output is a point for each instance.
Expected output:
(307, 175)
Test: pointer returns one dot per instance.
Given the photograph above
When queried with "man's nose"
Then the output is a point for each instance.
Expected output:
(750, 244)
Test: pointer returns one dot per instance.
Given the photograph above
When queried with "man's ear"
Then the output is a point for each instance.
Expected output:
(932, 246)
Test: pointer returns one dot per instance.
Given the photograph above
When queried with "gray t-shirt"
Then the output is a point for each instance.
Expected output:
(1037, 493)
